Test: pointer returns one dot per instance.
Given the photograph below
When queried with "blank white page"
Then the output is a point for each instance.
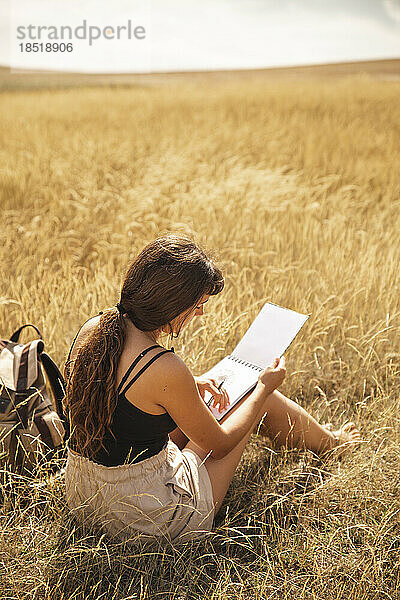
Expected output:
(269, 335)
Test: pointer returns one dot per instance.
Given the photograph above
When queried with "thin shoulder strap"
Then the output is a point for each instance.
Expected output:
(67, 362)
(146, 366)
(133, 365)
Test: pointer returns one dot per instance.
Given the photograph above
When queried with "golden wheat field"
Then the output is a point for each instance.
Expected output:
(294, 187)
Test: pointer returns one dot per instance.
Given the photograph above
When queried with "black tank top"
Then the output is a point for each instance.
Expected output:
(134, 434)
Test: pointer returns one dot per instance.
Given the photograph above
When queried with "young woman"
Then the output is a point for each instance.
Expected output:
(146, 455)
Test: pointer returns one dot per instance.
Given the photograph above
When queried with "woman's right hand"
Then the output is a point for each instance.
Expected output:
(272, 377)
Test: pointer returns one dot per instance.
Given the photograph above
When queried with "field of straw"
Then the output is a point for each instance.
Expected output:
(293, 185)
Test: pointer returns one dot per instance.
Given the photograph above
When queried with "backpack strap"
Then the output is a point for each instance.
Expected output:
(25, 364)
(16, 334)
(56, 380)
(58, 386)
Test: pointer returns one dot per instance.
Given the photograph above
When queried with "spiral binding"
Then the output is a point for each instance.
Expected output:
(245, 363)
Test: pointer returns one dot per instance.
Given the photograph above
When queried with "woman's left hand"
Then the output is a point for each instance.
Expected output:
(221, 397)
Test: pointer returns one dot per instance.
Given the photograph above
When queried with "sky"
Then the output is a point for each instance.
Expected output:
(175, 35)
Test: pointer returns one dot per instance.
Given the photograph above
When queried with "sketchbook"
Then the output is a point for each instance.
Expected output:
(268, 337)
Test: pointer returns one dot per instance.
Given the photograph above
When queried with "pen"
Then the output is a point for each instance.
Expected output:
(219, 387)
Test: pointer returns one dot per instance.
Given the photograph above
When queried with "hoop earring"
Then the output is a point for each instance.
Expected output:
(169, 340)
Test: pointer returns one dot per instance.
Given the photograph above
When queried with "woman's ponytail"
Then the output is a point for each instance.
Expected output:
(90, 396)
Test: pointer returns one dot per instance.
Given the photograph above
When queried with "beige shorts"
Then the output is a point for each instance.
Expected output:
(168, 495)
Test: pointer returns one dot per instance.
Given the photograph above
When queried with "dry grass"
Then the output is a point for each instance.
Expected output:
(295, 186)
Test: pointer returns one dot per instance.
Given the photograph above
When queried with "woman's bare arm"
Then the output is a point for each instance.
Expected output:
(178, 394)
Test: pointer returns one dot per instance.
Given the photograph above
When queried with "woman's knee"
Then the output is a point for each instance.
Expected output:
(278, 403)
(279, 417)
(273, 403)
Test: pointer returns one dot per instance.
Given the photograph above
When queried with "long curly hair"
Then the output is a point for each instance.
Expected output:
(167, 278)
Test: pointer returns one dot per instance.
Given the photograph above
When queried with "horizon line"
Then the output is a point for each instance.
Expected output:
(22, 70)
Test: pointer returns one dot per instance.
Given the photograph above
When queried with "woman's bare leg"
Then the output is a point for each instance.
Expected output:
(179, 438)
(221, 471)
(286, 423)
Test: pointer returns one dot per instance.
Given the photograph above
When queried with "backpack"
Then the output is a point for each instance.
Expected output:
(32, 429)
